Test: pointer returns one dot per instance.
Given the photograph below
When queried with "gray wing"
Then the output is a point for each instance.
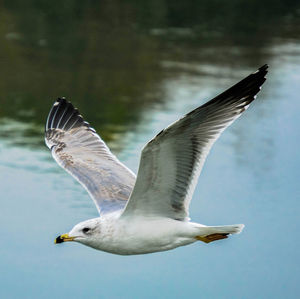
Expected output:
(171, 162)
(78, 149)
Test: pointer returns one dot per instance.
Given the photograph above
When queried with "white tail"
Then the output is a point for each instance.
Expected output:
(208, 234)
(222, 229)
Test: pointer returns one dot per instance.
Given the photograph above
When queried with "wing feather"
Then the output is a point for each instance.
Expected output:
(78, 149)
(172, 161)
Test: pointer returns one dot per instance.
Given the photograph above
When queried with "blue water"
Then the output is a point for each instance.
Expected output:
(251, 176)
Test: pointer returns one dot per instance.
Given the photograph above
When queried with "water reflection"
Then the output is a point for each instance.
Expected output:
(113, 67)
(132, 68)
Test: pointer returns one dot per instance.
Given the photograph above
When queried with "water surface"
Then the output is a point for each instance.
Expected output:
(131, 74)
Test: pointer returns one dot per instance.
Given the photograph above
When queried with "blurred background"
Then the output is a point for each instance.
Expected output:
(132, 67)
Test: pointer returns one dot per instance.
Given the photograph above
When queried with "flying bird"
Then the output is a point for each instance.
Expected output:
(148, 212)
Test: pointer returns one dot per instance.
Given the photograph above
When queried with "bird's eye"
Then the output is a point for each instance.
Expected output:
(86, 229)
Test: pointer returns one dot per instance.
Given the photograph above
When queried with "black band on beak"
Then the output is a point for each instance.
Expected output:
(59, 240)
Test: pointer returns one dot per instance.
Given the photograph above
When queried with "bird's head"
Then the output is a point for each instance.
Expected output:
(85, 232)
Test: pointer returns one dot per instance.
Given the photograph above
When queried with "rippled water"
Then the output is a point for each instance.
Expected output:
(251, 175)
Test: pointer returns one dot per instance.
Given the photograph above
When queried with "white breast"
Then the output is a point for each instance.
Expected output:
(140, 235)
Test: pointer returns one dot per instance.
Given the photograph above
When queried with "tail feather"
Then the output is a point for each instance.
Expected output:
(229, 229)
(209, 234)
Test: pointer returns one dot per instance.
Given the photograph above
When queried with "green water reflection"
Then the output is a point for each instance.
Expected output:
(111, 58)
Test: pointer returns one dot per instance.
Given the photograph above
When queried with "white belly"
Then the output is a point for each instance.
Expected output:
(140, 236)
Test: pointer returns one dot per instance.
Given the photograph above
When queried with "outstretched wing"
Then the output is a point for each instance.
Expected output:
(78, 149)
(171, 162)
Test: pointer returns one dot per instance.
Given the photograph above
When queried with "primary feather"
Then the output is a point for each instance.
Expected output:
(172, 161)
(78, 149)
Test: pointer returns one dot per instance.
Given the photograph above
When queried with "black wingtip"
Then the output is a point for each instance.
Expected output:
(63, 115)
(248, 87)
(263, 69)
(61, 99)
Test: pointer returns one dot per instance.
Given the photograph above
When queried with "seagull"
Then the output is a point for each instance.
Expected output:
(148, 212)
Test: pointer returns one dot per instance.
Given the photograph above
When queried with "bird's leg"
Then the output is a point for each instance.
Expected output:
(212, 237)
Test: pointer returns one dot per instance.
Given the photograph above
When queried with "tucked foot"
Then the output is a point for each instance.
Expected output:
(212, 237)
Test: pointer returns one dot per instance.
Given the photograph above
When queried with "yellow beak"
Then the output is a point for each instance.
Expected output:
(63, 238)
